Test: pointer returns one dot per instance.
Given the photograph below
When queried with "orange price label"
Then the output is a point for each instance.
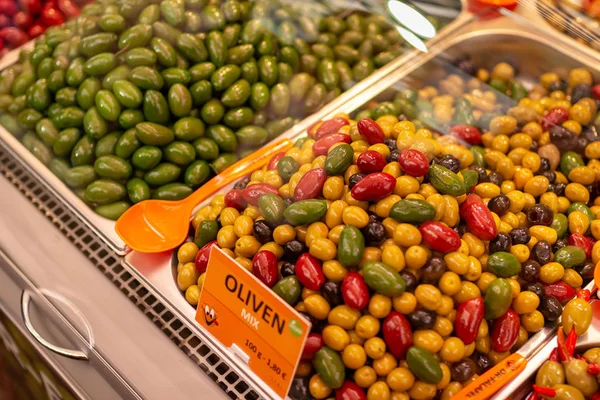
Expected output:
(245, 315)
(495, 378)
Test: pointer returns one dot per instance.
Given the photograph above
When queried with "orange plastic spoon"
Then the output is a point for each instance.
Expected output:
(153, 226)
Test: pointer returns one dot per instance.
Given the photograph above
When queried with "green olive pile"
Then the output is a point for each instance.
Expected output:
(132, 100)
(421, 262)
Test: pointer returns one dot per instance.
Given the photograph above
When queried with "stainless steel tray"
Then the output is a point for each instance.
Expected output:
(487, 42)
(103, 227)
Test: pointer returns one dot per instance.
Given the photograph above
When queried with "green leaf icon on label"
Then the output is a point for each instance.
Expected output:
(295, 328)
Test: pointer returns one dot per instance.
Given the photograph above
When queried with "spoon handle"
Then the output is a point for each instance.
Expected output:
(506, 376)
(252, 162)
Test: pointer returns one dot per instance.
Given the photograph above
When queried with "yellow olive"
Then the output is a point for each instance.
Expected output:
(374, 347)
(343, 316)
(187, 252)
(354, 356)
(336, 337)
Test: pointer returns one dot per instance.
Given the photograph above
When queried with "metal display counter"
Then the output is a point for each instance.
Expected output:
(134, 338)
(135, 356)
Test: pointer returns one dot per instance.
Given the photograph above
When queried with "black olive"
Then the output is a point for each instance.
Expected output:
(541, 252)
(288, 269)
(313, 321)
(241, 184)
(534, 146)
(500, 243)
(560, 84)
(484, 179)
(591, 133)
(520, 236)
(463, 370)
(293, 249)
(496, 178)
(562, 138)
(480, 172)
(540, 214)
(262, 231)
(288, 202)
(499, 204)
(557, 188)
(461, 229)
(550, 308)
(580, 91)
(530, 271)
(317, 325)
(590, 189)
(299, 389)
(594, 190)
(373, 217)
(421, 319)
(580, 144)
(433, 270)
(559, 244)
(333, 293)
(355, 178)
(410, 279)
(374, 233)
(551, 175)
(482, 361)
(544, 165)
(402, 117)
(450, 162)
(393, 156)
(534, 287)
(391, 143)
(586, 270)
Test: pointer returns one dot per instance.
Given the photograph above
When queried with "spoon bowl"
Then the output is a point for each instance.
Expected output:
(154, 226)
